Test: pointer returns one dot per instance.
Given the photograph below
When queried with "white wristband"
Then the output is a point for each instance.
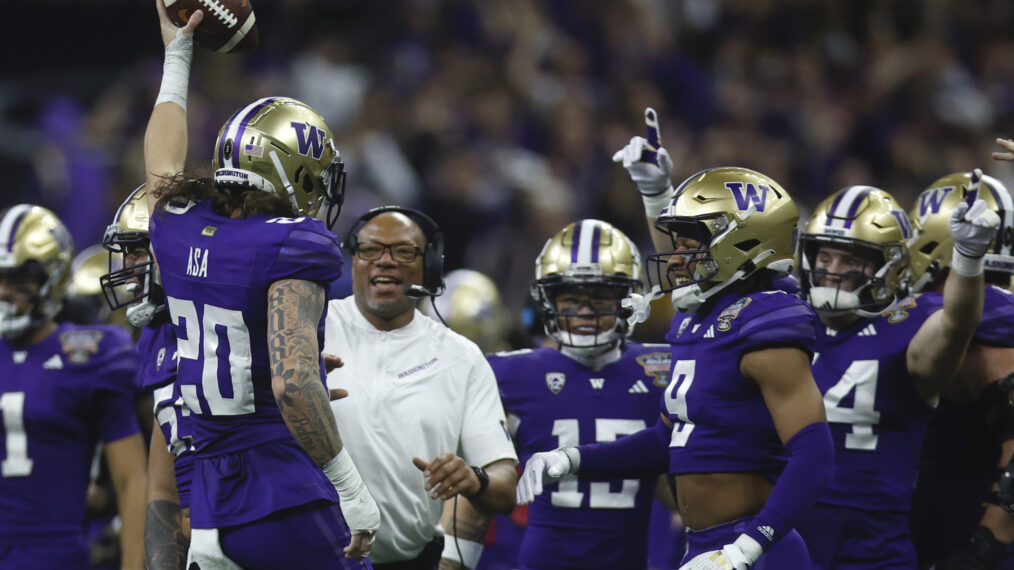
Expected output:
(343, 475)
(176, 70)
(654, 204)
(575, 458)
(967, 266)
(470, 551)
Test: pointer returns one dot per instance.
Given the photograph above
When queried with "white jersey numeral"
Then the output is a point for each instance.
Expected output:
(17, 463)
(676, 400)
(203, 337)
(600, 497)
(861, 377)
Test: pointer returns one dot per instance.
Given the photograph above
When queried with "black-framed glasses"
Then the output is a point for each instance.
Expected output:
(400, 252)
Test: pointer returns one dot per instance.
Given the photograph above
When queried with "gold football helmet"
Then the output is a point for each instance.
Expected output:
(593, 256)
(34, 242)
(867, 222)
(85, 303)
(744, 222)
(129, 283)
(471, 307)
(281, 145)
(932, 244)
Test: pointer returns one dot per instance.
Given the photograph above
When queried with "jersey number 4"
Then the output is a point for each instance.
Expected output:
(568, 496)
(860, 377)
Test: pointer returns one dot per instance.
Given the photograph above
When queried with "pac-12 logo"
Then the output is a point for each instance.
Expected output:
(749, 193)
(310, 140)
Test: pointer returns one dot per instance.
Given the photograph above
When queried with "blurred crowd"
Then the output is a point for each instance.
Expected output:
(499, 117)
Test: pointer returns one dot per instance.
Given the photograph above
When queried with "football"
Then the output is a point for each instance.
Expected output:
(228, 26)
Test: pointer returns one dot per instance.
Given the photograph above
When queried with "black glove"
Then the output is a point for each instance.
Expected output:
(983, 552)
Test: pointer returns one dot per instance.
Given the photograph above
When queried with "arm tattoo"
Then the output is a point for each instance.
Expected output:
(294, 310)
(165, 545)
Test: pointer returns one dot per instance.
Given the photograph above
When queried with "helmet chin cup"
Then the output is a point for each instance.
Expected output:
(833, 300)
(12, 325)
(687, 299)
(140, 314)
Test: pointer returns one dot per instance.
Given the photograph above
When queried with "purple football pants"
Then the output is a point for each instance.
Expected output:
(789, 552)
(308, 536)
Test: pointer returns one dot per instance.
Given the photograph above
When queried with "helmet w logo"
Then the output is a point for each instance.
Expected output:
(747, 194)
(310, 140)
(931, 200)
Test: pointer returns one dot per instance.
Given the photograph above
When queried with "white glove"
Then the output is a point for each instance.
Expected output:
(640, 305)
(646, 161)
(736, 556)
(546, 467)
(357, 504)
(973, 228)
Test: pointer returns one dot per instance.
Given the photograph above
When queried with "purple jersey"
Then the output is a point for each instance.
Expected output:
(959, 456)
(997, 325)
(216, 272)
(720, 421)
(877, 417)
(58, 398)
(156, 349)
(554, 401)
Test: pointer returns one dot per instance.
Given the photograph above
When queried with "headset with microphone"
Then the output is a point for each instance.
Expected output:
(433, 253)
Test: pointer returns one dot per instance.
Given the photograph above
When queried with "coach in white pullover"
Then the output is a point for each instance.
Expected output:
(423, 420)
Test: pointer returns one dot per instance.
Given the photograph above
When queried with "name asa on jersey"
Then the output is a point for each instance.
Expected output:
(197, 262)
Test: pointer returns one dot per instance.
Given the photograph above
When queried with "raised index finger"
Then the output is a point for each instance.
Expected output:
(653, 135)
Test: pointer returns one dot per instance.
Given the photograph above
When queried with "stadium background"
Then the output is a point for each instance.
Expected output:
(499, 117)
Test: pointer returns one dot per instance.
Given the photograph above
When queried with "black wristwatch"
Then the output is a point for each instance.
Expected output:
(483, 481)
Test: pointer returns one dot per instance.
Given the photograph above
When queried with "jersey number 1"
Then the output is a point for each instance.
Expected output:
(17, 463)
(601, 497)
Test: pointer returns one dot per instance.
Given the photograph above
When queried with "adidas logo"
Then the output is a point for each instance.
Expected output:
(768, 532)
(54, 363)
(711, 332)
(868, 331)
(638, 388)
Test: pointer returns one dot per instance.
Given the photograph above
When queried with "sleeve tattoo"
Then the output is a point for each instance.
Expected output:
(294, 310)
(165, 545)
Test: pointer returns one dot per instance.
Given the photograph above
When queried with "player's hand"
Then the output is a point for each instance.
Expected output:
(543, 468)
(736, 556)
(1008, 145)
(448, 475)
(363, 517)
(169, 30)
(646, 160)
(973, 227)
(360, 545)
